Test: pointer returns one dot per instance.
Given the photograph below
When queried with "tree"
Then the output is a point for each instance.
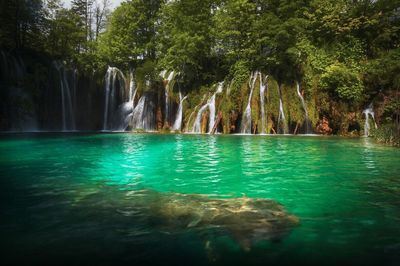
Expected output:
(83, 8)
(185, 39)
(130, 34)
(101, 13)
(235, 30)
(21, 23)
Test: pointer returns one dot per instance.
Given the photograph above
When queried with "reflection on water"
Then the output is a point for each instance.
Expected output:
(64, 195)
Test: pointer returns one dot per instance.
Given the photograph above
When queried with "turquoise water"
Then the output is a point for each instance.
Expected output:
(67, 198)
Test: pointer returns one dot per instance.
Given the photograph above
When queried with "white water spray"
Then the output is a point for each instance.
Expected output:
(197, 121)
(68, 114)
(263, 87)
(281, 117)
(211, 106)
(113, 74)
(137, 115)
(369, 112)
(178, 121)
(303, 103)
(167, 83)
(246, 118)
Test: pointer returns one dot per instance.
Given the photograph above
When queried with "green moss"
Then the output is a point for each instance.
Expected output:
(292, 105)
(272, 103)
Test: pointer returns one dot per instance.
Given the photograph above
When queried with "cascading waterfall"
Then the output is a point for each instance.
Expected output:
(197, 121)
(74, 86)
(263, 87)
(107, 95)
(178, 121)
(20, 110)
(113, 74)
(246, 119)
(211, 122)
(68, 113)
(281, 117)
(167, 83)
(132, 87)
(194, 111)
(303, 103)
(211, 106)
(143, 115)
(137, 115)
(126, 108)
(369, 112)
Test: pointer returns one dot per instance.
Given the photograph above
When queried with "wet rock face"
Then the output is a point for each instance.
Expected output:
(323, 127)
(246, 220)
(234, 116)
(159, 120)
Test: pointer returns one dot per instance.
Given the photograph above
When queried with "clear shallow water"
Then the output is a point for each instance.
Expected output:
(67, 198)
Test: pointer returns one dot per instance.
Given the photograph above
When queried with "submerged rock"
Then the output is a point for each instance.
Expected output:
(247, 220)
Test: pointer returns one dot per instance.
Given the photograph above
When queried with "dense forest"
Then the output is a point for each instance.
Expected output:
(246, 66)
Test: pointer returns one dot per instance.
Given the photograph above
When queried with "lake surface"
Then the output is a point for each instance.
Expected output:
(67, 198)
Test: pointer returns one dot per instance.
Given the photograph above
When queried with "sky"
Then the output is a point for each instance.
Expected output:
(114, 3)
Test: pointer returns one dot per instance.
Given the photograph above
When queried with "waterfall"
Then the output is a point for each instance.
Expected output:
(142, 116)
(107, 94)
(197, 122)
(18, 106)
(369, 112)
(125, 110)
(178, 121)
(112, 76)
(246, 119)
(167, 79)
(211, 106)
(124, 115)
(281, 117)
(67, 108)
(263, 87)
(74, 86)
(71, 112)
(132, 88)
(194, 111)
(303, 103)
(137, 116)
(211, 119)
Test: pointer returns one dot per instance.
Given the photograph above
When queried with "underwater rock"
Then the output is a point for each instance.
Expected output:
(246, 220)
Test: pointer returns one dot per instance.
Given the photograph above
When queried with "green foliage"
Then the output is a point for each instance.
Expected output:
(130, 35)
(383, 73)
(21, 23)
(387, 133)
(234, 30)
(343, 82)
(65, 34)
(185, 39)
(238, 89)
(146, 72)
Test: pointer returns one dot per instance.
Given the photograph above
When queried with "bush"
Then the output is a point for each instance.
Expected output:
(343, 82)
(387, 133)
